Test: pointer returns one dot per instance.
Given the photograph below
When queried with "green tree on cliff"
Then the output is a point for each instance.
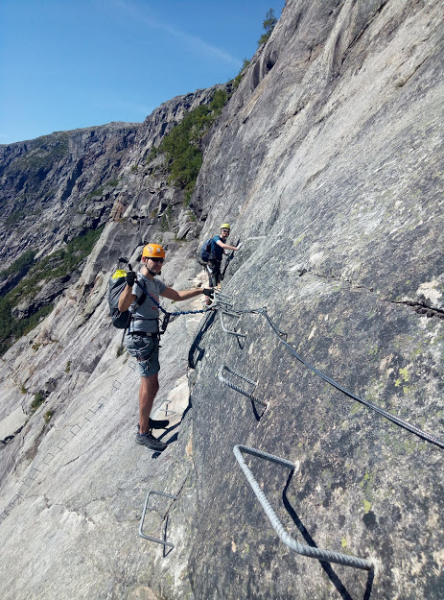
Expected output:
(268, 26)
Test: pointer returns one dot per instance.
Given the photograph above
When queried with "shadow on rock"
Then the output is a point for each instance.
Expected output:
(192, 360)
(258, 415)
(325, 565)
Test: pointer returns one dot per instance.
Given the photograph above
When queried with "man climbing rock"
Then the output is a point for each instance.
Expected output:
(218, 246)
(142, 338)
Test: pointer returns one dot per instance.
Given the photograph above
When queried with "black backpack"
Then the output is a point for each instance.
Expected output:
(206, 250)
(116, 285)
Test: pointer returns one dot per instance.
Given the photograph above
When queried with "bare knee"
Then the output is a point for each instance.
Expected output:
(149, 385)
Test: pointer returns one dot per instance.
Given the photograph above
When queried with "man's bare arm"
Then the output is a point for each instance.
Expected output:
(126, 298)
(182, 295)
(226, 246)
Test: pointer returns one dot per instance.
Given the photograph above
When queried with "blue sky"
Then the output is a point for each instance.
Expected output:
(66, 64)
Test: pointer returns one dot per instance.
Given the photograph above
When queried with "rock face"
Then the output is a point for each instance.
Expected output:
(327, 161)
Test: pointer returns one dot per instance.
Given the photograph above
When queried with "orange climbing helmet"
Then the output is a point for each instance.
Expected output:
(153, 251)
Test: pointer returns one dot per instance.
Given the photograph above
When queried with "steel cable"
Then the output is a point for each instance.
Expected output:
(172, 314)
(400, 422)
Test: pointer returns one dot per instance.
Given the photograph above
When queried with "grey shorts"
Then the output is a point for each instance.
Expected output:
(146, 351)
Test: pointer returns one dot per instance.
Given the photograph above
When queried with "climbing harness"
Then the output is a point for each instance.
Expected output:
(309, 551)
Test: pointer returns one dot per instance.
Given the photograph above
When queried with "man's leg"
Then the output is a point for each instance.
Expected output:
(146, 351)
(209, 270)
(149, 386)
(217, 275)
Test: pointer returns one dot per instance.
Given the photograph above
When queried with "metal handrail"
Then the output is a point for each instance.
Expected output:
(309, 551)
(148, 537)
(236, 387)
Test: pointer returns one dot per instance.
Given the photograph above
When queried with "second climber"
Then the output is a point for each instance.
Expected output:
(216, 253)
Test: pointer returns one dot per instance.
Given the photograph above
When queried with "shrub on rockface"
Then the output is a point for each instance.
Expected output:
(182, 145)
(238, 78)
(23, 263)
(268, 26)
(39, 399)
(11, 329)
(58, 264)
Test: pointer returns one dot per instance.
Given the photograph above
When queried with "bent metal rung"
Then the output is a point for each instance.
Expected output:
(222, 300)
(235, 387)
(309, 551)
(148, 537)
(224, 328)
(221, 296)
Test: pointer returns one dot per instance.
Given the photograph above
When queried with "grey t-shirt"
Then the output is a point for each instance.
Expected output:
(146, 316)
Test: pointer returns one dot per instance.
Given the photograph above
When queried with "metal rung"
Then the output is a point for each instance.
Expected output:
(48, 458)
(22, 490)
(222, 300)
(228, 330)
(236, 387)
(222, 305)
(309, 551)
(232, 313)
(89, 415)
(167, 411)
(148, 537)
(222, 296)
(98, 405)
(32, 474)
(11, 505)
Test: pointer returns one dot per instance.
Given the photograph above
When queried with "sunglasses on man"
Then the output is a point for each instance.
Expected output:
(157, 260)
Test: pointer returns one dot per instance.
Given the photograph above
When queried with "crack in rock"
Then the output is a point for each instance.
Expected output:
(422, 309)
(419, 307)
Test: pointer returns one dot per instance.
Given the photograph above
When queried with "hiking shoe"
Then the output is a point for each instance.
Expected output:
(147, 439)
